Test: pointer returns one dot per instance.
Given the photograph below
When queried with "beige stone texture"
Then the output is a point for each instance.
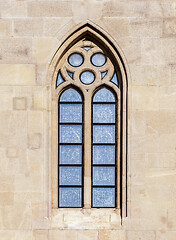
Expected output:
(50, 9)
(33, 37)
(28, 27)
(18, 74)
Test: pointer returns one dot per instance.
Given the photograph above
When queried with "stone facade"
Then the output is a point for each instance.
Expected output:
(30, 34)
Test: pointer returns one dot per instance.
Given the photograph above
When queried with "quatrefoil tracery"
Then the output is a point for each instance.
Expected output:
(86, 63)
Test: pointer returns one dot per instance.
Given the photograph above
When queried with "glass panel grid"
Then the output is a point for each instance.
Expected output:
(70, 150)
(104, 151)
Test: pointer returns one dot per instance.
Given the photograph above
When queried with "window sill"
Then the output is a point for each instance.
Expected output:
(76, 218)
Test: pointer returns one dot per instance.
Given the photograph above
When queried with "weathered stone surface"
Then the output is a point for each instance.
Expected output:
(50, 9)
(141, 235)
(5, 28)
(28, 27)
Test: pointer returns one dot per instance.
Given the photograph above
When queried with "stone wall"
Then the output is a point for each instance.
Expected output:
(30, 34)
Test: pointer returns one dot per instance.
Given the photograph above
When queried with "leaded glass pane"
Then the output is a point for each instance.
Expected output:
(115, 79)
(103, 176)
(104, 154)
(104, 113)
(76, 59)
(87, 77)
(70, 134)
(70, 175)
(104, 95)
(103, 197)
(70, 74)
(71, 113)
(103, 74)
(70, 95)
(104, 134)
(98, 59)
(70, 197)
(59, 79)
(70, 154)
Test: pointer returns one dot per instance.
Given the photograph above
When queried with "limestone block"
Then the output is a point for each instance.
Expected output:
(24, 235)
(7, 183)
(19, 103)
(140, 235)
(160, 9)
(150, 75)
(5, 27)
(17, 74)
(111, 234)
(167, 97)
(30, 183)
(12, 152)
(161, 160)
(63, 234)
(17, 9)
(141, 28)
(163, 235)
(171, 219)
(35, 159)
(41, 234)
(173, 74)
(131, 46)
(158, 51)
(83, 10)
(28, 27)
(87, 235)
(50, 9)
(117, 27)
(15, 50)
(17, 217)
(137, 168)
(35, 121)
(169, 27)
(38, 98)
(167, 143)
(6, 198)
(34, 141)
(160, 122)
(6, 101)
(52, 27)
(124, 9)
(43, 49)
(145, 98)
(138, 123)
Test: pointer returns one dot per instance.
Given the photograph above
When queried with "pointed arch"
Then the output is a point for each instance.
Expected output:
(97, 35)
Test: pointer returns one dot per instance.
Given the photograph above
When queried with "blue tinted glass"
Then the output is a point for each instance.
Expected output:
(87, 77)
(70, 197)
(103, 74)
(59, 79)
(75, 59)
(70, 134)
(104, 113)
(70, 74)
(103, 175)
(104, 154)
(104, 134)
(104, 95)
(103, 197)
(71, 113)
(87, 48)
(70, 175)
(70, 154)
(98, 59)
(115, 79)
(70, 95)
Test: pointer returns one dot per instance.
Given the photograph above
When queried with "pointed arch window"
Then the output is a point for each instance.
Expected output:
(90, 126)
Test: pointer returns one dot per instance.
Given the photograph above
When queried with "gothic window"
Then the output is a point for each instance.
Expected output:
(89, 124)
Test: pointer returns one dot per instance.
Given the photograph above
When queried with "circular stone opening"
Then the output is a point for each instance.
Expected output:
(75, 59)
(87, 77)
(98, 59)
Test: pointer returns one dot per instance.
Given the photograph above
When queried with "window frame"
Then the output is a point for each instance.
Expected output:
(91, 30)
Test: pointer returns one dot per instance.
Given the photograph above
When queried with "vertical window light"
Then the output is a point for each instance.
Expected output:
(70, 149)
(104, 148)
